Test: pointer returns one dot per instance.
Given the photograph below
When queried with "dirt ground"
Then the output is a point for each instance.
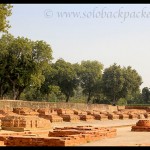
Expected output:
(98, 123)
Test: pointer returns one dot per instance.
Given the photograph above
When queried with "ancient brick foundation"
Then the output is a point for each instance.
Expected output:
(100, 117)
(25, 111)
(142, 125)
(86, 117)
(70, 118)
(113, 116)
(67, 136)
(22, 123)
(29, 123)
(49, 114)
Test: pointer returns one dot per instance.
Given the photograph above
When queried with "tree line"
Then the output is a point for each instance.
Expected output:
(27, 72)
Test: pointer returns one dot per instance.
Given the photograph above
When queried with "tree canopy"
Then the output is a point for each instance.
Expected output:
(65, 77)
(90, 74)
(5, 11)
(23, 63)
(146, 94)
(120, 82)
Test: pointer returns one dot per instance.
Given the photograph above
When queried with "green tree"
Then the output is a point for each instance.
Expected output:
(146, 94)
(25, 62)
(19, 65)
(5, 11)
(66, 77)
(134, 98)
(120, 82)
(90, 75)
(41, 57)
(4, 43)
(49, 86)
(32, 93)
(113, 82)
(98, 96)
(132, 81)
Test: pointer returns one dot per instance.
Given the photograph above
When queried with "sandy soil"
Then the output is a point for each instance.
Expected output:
(98, 123)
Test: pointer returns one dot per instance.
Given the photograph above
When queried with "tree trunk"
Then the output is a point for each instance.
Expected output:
(47, 96)
(67, 98)
(89, 97)
(14, 92)
(4, 92)
(18, 94)
(114, 100)
(20, 90)
(1, 91)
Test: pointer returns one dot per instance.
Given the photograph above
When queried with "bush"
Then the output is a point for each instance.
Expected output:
(122, 101)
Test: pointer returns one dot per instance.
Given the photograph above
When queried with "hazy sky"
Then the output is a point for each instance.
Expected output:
(114, 33)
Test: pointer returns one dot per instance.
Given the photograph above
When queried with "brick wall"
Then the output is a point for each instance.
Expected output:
(32, 104)
(137, 107)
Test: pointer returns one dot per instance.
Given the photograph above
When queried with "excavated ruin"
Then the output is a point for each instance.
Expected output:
(141, 125)
(33, 127)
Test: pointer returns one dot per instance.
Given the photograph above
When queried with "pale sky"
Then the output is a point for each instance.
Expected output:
(114, 33)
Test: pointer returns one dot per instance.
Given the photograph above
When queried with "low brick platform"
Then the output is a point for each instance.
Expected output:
(6, 112)
(25, 111)
(37, 133)
(147, 115)
(86, 117)
(34, 141)
(68, 115)
(88, 132)
(46, 111)
(70, 118)
(142, 125)
(52, 118)
(89, 112)
(67, 136)
(22, 123)
(61, 111)
(141, 116)
(123, 116)
(137, 111)
(49, 114)
(113, 116)
(100, 117)
(79, 112)
(133, 116)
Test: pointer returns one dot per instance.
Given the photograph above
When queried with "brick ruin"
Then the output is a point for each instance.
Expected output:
(67, 115)
(24, 123)
(67, 136)
(25, 111)
(33, 127)
(49, 114)
(22, 119)
(142, 125)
